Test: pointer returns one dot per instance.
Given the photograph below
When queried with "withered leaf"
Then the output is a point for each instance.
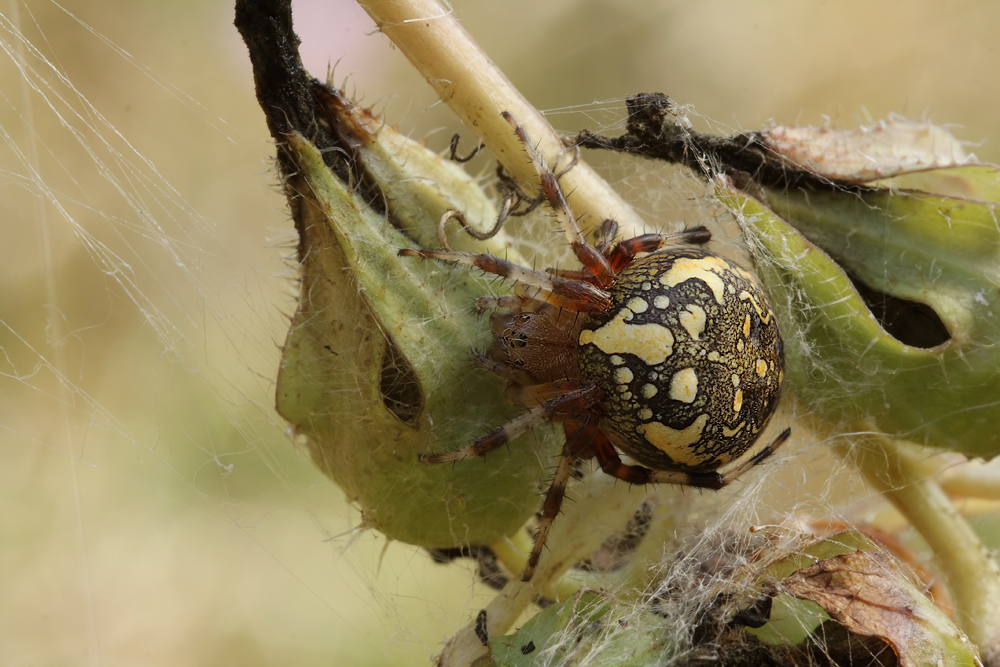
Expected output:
(867, 593)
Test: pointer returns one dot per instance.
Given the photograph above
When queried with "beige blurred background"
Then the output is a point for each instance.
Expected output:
(152, 508)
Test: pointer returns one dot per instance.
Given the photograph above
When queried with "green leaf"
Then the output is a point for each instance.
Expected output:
(582, 631)
(417, 186)
(936, 250)
(970, 181)
(376, 370)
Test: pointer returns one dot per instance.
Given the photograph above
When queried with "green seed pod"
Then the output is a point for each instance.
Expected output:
(376, 368)
(892, 301)
(416, 185)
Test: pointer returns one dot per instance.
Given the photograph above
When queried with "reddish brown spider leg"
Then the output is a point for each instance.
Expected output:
(510, 373)
(589, 256)
(759, 457)
(577, 441)
(511, 303)
(570, 294)
(605, 236)
(525, 299)
(572, 274)
(472, 231)
(521, 389)
(622, 254)
(626, 251)
(538, 393)
(612, 464)
(483, 361)
(571, 402)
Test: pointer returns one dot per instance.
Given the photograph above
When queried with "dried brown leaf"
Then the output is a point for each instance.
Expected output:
(888, 148)
(867, 593)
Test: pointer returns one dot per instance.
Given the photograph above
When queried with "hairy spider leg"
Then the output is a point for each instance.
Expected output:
(570, 294)
(578, 441)
(508, 303)
(523, 300)
(611, 464)
(622, 254)
(530, 394)
(524, 394)
(469, 229)
(605, 236)
(519, 394)
(588, 255)
(570, 402)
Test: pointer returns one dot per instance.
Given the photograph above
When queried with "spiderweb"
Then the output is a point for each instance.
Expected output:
(155, 510)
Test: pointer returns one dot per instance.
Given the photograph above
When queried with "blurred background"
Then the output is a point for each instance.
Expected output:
(153, 509)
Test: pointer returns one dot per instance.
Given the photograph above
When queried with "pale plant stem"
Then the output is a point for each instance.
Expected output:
(972, 574)
(641, 575)
(465, 647)
(599, 507)
(477, 91)
(972, 480)
(513, 553)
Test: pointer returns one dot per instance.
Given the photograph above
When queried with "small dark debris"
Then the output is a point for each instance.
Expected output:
(528, 648)
(490, 572)
(453, 150)
(653, 132)
(756, 615)
(481, 631)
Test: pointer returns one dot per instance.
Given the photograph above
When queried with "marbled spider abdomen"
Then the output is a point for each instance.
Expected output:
(688, 358)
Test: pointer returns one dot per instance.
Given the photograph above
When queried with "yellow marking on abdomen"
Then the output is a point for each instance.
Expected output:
(637, 305)
(703, 269)
(693, 320)
(684, 386)
(764, 317)
(728, 433)
(676, 443)
(652, 343)
(738, 401)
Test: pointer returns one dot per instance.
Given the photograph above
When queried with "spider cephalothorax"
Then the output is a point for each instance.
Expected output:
(673, 358)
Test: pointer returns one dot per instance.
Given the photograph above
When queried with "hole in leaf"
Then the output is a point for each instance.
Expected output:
(910, 322)
(398, 385)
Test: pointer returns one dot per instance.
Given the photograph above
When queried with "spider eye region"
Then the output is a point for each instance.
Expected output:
(689, 360)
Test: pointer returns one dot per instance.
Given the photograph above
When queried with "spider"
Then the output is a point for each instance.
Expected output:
(672, 357)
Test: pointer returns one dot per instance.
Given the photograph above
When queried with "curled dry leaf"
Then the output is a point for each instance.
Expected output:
(885, 149)
(870, 596)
